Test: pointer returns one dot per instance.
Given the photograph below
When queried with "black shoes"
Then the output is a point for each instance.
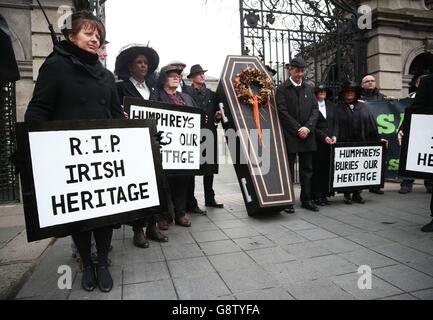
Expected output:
(322, 202)
(212, 203)
(347, 200)
(405, 189)
(140, 240)
(105, 281)
(290, 209)
(309, 205)
(357, 198)
(153, 233)
(377, 191)
(197, 210)
(428, 227)
(88, 282)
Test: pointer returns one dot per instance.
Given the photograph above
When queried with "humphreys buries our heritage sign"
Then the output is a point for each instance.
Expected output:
(357, 166)
(80, 175)
(181, 133)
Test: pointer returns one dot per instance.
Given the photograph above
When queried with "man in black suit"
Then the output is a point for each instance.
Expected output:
(423, 99)
(298, 112)
(326, 135)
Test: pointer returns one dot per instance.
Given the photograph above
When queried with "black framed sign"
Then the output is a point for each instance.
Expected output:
(81, 175)
(357, 166)
(181, 132)
(416, 157)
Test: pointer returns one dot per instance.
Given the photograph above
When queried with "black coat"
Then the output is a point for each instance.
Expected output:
(327, 127)
(207, 101)
(296, 111)
(423, 98)
(357, 125)
(126, 88)
(375, 95)
(73, 86)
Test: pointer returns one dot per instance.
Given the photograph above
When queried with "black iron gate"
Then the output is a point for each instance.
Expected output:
(9, 187)
(324, 32)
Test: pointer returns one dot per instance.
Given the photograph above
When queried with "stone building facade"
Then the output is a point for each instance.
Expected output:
(400, 44)
(31, 40)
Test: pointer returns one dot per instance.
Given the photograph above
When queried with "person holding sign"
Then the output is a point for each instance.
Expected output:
(73, 85)
(168, 84)
(423, 99)
(326, 135)
(355, 124)
(135, 66)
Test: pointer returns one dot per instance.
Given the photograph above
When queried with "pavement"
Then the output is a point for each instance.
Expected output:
(230, 256)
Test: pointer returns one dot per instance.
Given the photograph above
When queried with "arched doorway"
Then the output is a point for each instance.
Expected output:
(422, 64)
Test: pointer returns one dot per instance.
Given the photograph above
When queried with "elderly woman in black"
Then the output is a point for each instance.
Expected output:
(167, 85)
(135, 67)
(73, 85)
(355, 124)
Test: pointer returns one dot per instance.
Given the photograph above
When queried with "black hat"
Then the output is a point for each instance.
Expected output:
(297, 62)
(127, 56)
(194, 70)
(270, 70)
(350, 86)
(322, 87)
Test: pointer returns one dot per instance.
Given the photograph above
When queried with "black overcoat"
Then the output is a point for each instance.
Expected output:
(423, 98)
(297, 109)
(125, 88)
(207, 101)
(73, 86)
(368, 127)
(327, 127)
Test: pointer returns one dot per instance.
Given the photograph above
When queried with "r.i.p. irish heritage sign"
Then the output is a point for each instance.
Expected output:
(81, 175)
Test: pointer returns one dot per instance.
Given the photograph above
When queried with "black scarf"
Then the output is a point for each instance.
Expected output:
(90, 61)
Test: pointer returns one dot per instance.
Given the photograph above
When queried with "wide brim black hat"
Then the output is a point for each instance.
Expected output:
(127, 56)
(322, 87)
(350, 86)
(195, 69)
(270, 70)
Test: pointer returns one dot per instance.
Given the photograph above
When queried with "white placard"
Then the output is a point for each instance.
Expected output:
(357, 166)
(420, 147)
(181, 132)
(87, 174)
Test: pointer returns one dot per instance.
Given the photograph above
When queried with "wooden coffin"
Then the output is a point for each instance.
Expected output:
(266, 185)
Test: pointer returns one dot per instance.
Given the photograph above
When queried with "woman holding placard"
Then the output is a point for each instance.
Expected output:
(73, 85)
(355, 124)
(168, 83)
(135, 67)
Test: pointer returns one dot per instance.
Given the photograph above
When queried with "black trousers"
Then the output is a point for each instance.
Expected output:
(209, 193)
(103, 241)
(305, 173)
(179, 187)
(431, 206)
(191, 200)
(321, 170)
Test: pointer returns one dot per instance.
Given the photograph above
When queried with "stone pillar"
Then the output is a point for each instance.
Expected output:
(31, 41)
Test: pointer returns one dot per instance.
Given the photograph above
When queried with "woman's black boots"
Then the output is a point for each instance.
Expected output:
(105, 281)
(88, 282)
